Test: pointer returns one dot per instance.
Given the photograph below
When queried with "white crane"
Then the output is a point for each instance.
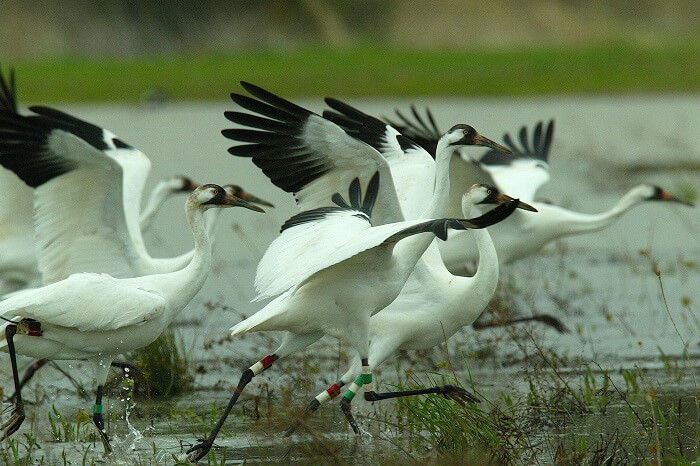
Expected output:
(333, 283)
(432, 306)
(88, 188)
(432, 297)
(522, 175)
(95, 316)
(310, 156)
(88, 185)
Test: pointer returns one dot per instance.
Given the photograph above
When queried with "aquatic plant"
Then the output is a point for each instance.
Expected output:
(164, 367)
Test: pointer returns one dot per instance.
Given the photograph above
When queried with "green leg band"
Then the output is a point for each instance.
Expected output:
(352, 390)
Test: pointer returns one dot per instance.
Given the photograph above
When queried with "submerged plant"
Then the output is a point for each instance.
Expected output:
(164, 367)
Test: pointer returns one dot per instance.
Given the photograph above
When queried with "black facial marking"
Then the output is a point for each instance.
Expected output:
(468, 132)
(491, 195)
(219, 195)
(235, 190)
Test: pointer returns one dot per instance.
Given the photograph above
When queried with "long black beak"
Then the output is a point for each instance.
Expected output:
(666, 196)
(245, 195)
(480, 140)
(504, 198)
(234, 201)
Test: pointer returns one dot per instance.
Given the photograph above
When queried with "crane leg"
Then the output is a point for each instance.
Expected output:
(198, 451)
(328, 394)
(364, 380)
(546, 319)
(99, 421)
(457, 394)
(17, 417)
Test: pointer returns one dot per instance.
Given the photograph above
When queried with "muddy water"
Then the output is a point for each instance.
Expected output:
(600, 285)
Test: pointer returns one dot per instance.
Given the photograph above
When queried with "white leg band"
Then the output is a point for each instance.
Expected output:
(257, 368)
(323, 397)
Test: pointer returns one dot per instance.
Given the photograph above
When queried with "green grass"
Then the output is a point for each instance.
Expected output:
(370, 71)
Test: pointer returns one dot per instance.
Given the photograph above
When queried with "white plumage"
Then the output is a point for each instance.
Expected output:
(96, 316)
(333, 291)
(522, 175)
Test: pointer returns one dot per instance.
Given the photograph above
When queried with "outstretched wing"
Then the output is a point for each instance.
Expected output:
(88, 302)
(422, 130)
(394, 232)
(523, 173)
(311, 236)
(306, 154)
(88, 186)
(412, 167)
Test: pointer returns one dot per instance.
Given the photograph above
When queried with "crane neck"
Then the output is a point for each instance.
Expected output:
(169, 264)
(574, 222)
(184, 284)
(441, 189)
(484, 282)
(158, 196)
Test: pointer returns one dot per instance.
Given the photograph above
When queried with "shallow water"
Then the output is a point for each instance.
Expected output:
(599, 284)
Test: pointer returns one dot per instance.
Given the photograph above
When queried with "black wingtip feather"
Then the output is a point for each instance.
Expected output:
(494, 216)
(371, 194)
(538, 150)
(275, 100)
(8, 99)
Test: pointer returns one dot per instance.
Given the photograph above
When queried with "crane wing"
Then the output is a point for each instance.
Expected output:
(361, 240)
(412, 167)
(86, 301)
(306, 154)
(423, 131)
(88, 189)
(311, 236)
(522, 174)
(519, 175)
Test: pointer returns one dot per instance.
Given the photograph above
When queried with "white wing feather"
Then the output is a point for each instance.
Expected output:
(299, 249)
(352, 244)
(80, 220)
(413, 174)
(522, 178)
(350, 159)
(87, 302)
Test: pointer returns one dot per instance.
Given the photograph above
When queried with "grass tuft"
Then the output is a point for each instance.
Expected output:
(165, 367)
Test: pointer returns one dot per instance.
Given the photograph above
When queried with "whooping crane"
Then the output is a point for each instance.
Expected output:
(95, 316)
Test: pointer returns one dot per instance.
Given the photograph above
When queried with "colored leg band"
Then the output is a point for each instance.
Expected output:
(97, 409)
(328, 394)
(354, 388)
(263, 364)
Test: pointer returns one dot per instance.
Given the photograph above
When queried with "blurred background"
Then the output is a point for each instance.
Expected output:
(125, 49)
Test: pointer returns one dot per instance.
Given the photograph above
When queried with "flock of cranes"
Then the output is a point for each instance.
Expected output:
(360, 262)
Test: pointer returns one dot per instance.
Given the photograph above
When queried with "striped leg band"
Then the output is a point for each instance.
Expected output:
(328, 394)
(263, 364)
